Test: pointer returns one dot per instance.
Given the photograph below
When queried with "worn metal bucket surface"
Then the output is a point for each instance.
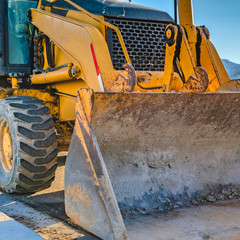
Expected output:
(146, 152)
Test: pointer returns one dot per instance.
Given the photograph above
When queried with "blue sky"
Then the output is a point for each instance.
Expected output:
(221, 17)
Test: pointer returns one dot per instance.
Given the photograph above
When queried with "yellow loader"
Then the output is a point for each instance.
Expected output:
(146, 105)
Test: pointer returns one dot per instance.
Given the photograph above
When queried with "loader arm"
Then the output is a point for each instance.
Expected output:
(85, 38)
(189, 47)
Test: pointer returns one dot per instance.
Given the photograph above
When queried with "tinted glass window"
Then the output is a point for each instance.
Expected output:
(19, 30)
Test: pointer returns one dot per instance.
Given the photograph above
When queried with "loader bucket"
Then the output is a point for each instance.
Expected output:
(143, 153)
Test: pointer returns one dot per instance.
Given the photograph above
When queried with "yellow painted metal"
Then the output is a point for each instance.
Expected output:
(14, 82)
(186, 61)
(39, 4)
(67, 92)
(169, 58)
(185, 12)
(64, 74)
(6, 148)
(105, 24)
(151, 79)
(191, 33)
(186, 20)
(66, 108)
(84, 30)
(69, 87)
(99, 19)
(7, 145)
(211, 61)
(209, 58)
(82, 36)
(62, 58)
(82, 17)
(168, 33)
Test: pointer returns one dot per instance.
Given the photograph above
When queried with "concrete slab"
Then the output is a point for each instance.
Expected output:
(11, 229)
(219, 221)
(41, 223)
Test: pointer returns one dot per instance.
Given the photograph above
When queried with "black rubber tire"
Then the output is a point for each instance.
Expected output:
(34, 145)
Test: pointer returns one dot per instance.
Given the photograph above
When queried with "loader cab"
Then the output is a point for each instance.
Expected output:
(15, 36)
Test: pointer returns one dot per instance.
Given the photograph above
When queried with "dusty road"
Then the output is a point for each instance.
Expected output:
(44, 213)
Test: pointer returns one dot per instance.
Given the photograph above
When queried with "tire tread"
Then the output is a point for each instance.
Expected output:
(36, 144)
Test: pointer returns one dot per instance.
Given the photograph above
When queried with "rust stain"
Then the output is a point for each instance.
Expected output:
(198, 84)
(86, 96)
(123, 83)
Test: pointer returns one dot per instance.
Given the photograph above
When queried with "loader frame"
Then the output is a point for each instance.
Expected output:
(133, 143)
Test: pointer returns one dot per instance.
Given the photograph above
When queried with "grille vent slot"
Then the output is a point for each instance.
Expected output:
(144, 41)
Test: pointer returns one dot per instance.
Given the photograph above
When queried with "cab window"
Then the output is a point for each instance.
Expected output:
(19, 31)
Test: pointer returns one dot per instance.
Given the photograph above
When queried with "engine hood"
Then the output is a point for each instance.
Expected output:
(116, 8)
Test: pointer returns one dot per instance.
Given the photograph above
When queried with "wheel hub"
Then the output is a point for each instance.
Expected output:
(6, 151)
(7, 146)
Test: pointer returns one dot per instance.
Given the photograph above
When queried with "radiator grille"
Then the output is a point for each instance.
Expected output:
(144, 41)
